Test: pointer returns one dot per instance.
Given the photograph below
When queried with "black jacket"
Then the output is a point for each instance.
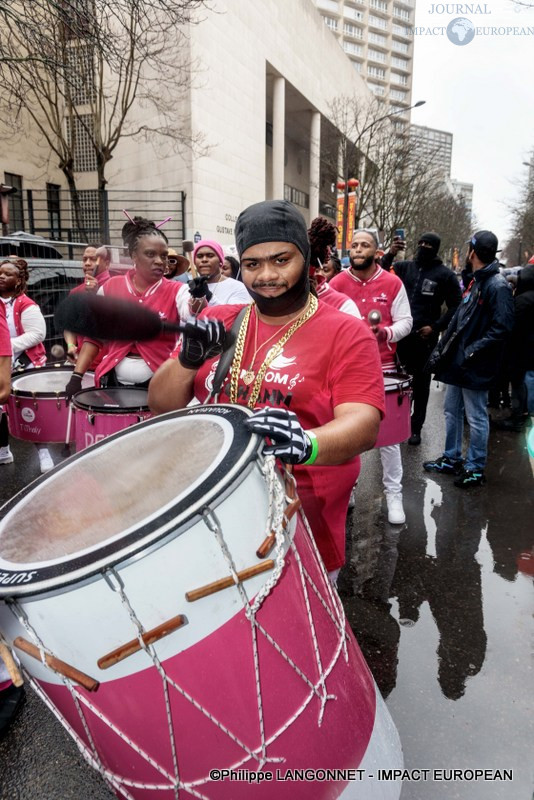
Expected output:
(428, 288)
(469, 354)
(522, 341)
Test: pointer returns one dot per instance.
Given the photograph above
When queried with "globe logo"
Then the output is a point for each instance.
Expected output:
(461, 31)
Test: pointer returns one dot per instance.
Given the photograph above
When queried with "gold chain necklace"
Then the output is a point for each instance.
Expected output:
(309, 311)
(250, 375)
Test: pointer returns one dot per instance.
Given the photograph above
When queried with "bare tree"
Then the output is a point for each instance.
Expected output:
(520, 246)
(395, 175)
(79, 68)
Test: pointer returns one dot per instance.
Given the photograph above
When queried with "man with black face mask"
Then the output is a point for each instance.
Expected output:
(429, 284)
(291, 352)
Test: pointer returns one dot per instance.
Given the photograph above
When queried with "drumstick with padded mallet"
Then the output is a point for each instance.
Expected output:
(110, 318)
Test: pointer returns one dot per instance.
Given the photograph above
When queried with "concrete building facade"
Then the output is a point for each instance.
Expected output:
(376, 36)
(266, 72)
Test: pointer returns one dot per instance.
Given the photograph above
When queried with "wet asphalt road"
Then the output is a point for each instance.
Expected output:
(442, 608)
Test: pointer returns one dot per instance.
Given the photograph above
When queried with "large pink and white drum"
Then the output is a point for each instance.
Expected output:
(135, 570)
(396, 425)
(100, 412)
(37, 408)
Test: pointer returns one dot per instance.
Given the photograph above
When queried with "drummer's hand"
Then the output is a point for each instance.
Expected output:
(290, 442)
(201, 339)
(72, 353)
(74, 385)
(380, 333)
(198, 287)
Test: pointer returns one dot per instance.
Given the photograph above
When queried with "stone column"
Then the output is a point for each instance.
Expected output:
(315, 163)
(279, 137)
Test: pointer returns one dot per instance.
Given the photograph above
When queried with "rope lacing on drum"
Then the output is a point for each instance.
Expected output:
(21, 615)
(114, 581)
(277, 523)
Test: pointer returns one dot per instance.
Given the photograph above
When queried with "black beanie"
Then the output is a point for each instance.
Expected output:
(432, 239)
(272, 221)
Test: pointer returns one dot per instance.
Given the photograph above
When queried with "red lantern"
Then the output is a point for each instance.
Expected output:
(340, 185)
(353, 183)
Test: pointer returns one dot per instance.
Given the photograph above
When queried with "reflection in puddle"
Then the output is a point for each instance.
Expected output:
(433, 497)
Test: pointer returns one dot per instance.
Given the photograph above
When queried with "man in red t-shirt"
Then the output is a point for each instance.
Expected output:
(319, 411)
(5, 357)
(383, 302)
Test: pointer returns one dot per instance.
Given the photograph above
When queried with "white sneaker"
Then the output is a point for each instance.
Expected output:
(45, 461)
(396, 515)
(6, 456)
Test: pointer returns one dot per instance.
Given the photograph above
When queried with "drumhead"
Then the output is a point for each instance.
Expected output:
(108, 503)
(116, 400)
(395, 381)
(46, 381)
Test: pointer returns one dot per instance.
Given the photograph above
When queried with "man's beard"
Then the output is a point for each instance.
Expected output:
(290, 301)
(365, 264)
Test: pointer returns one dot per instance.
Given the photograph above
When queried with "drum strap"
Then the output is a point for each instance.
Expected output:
(226, 358)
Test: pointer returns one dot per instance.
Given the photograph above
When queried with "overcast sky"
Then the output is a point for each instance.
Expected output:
(483, 93)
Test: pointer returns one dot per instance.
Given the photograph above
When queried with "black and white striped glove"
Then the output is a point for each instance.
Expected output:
(290, 443)
(201, 339)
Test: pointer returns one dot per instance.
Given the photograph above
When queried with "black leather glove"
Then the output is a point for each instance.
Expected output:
(291, 443)
(198, 288)
(201, 339)
(74, 385)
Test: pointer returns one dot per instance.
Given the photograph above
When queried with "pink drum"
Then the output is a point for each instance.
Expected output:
(167, 601)
(100, 412)
(396, 425)
(37, 408)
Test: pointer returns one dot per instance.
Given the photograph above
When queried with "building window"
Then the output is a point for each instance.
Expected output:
(399, 30)
(357, 66)
(330, 23)
(401, 13)
(90, 221)
(376, 89)
(380, 5)
(402, 80)
(376, 72)
(15, 202)
(80, 74)
(353, 49)
(378, 22)
(353, 13)
(396, 94)
(400, 47)
(296, 197)
(377, 38)
(400, 63)
(84, 151)
(53, 206)
(376, 55)
(352, 30)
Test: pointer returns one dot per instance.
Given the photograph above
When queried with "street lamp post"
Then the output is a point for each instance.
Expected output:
(353, 148)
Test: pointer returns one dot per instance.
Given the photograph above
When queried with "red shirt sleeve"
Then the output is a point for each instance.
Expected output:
(5, 339)
(357, 373)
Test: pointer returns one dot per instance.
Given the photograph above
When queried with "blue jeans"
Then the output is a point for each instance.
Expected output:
(529, 381)
(474, 401)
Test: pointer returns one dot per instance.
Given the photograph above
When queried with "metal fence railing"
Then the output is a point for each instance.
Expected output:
(94, 217)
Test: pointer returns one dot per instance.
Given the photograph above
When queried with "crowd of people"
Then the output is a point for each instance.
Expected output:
(311, 345)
